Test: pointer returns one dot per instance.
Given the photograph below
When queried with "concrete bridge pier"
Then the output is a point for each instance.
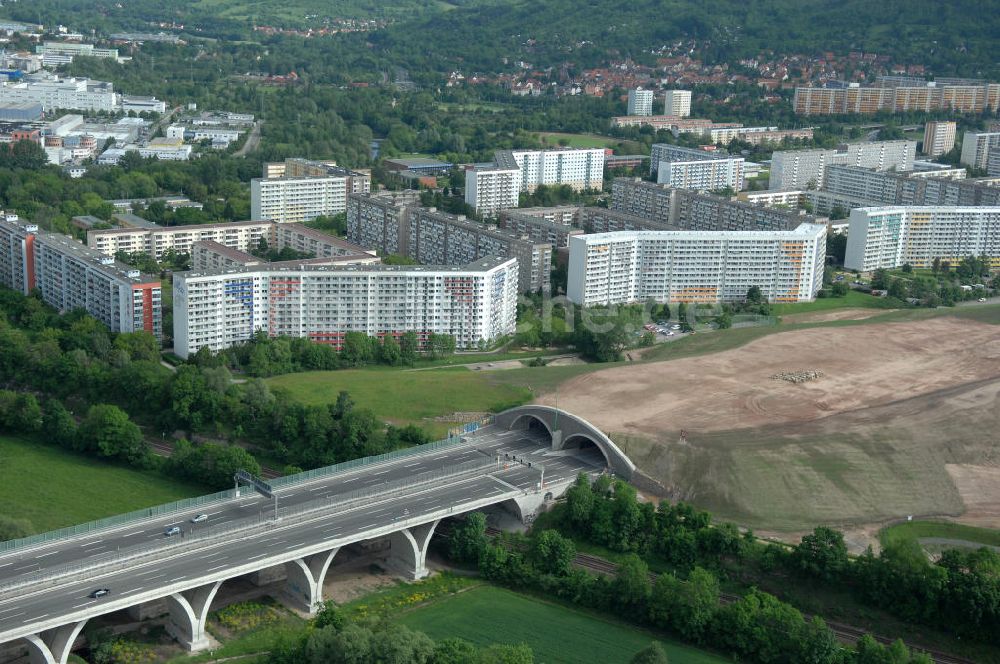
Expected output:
(53, 646)
(188, 612)
(305, 576)
(408, 549)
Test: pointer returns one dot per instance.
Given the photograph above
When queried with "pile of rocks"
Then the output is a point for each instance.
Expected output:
(798, 376)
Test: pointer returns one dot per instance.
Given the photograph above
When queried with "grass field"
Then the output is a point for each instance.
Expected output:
(940, 530)
(556, 634)
(52, 488)
(405, 397)
(852, 299)
(553, 138)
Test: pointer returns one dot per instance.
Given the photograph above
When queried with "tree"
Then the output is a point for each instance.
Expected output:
(409, 348)
(389, 352)
(822, 554)
(58, 425)
(755, 295)
(551, 553)
(507, 653)
(631, 584)
(454, 651)
(108, 430)
(330, 616)
(440, 345)
(907, 268)
(349, 645)
(398, 644)
(357, 349)
(580, 502)
(468, 539)
(651, 654)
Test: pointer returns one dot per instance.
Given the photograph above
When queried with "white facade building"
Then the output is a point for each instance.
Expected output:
(475, 303)
(492, 189)
(804, 169)
(694, 168)
(297, 199)
(939, 138)
(581, 168)
(640, 102)
(696, 266)
(976, 148)
(54, 93)
(888, 237)
(677, 103)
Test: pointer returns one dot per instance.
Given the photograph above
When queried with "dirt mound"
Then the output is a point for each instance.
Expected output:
(897, 403)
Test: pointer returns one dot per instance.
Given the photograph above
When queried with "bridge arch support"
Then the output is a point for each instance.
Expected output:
(188, 613)
(305, 577)
(567, 430)
(53, 646)
(408, 549)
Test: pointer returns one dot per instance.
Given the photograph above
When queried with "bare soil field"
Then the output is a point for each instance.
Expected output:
(871, 439)
(836, 314)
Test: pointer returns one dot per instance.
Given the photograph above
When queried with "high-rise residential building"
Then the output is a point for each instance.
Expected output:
(552, 225)
(993, 162)
(490, 189)
(302, 189)
(242, 236)
(939, 137)
(475, 303)
(961, 97)
(682, 209)
(976, 147)
(640, 102)
(702, 169)
(805, 169)
(888, 237)
(69, 275)
(696, 266)
(677, 103)
(398, 225)
(579, 168)
(869, 188)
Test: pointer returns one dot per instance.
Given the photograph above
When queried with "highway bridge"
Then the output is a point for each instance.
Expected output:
(518, 459)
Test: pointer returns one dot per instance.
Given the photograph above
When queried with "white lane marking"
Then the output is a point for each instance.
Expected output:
(353, 479)
(44, 615)
(381, 473)
(134, 532)
(5, 564)
(79, 605)
(25, 567)
(92, 543)
(180, 578)
(256, 557)
(50, 553)
(10, 609)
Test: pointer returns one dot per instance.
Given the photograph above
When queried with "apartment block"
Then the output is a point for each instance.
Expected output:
(888, 237)
(492, 189)
(689, 210)
(210, 255)
(939, 138)
(640, 102)
(296, 167)
(976, 147)
(580, 169)
(475, 303)
(696, 266)
(243, 236)
(805, 169)
(677, 103)
(431, 237)
(926, 97)
(54, 93)
(701, 169)
(540, 228)
(889, 188)
(69, 275)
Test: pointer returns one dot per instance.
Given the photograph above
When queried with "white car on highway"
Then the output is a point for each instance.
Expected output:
(199, 518)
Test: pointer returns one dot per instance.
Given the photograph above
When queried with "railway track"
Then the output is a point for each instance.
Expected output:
(847, 634)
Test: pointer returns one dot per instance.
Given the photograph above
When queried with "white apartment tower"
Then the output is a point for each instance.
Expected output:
(677, 103)
(888, 237)
(696, 266)
(492, 189)
(804, 169)
(696, 168)
(475, 303)
(976, 148)
(939, 138)
(640, 102)
(581, 168)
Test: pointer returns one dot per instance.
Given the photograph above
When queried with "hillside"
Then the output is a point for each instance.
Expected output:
(953, 38)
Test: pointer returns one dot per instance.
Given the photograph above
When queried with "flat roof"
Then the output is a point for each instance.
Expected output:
(135, 220)
(419, 162)
(479, 265)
